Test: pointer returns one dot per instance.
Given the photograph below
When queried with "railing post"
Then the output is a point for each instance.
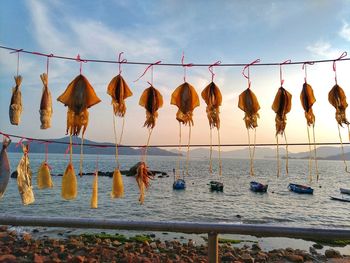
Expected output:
(213, 248)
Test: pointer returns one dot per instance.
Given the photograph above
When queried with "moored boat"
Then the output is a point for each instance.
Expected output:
(258, 187)
(342, 199)
(179, 184)
(345, 191)
(216, 186)
(300, 189)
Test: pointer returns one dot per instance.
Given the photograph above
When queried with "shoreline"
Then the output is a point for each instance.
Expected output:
(33, 246)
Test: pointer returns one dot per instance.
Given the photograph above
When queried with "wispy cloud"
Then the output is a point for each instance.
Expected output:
(323, 49)
(345, 31)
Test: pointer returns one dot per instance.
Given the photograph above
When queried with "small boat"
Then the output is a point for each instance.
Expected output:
(342, 199)
(300, 189)
(179, 184)
(216, 186)
(345, 191)
(258, 187)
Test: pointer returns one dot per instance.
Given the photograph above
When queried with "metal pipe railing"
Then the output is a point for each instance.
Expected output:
(212, 229)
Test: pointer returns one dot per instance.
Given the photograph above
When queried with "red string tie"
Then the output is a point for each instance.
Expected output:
(5, 135)
(211, 69)
(283, 63)
(16, 51)
(185, 65)
(247, 67)
(343, 55)
(305, 70)
(81, 61)
(120, 62)
(147, 68)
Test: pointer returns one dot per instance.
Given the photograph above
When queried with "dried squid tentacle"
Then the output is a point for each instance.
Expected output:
(278, 158)
(310, 154)
(315, 153)
(177, 175)
(220, 161)
(211, 152)
(94, 196)
(285, 138)
(188, 149)
(342, 150)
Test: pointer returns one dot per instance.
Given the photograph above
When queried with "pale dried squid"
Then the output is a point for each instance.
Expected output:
(337, 98)
(143, 176)
(308, 99)
(24, 178)
(45, 104)
(117, 184)
(69, 190)
(248, 103)
(79, 96)
(213, 98)
(15, 109)
(281, 106)
(4, 167)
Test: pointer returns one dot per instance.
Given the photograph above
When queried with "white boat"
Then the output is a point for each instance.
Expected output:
(344, 191)
(342, 199)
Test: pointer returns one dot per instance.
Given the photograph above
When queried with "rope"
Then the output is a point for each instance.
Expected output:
(148, 139)
(278, 159)
(179, 156)
(342, 150)
(250, 156)
(172, 64)
(116, 140)
(315, 154)
(70, 149)
(285, 137)
(220, 162)
(81, 155)
(310, 153)
(188, 149)
(211, 152)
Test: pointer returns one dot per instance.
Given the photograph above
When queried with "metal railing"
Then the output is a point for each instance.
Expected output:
(212, 229)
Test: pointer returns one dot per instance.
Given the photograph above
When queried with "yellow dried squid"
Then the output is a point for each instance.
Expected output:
(24, 178)
(282, 104)
(248, 103)
(69, 190)
(337, 98)
(44, 176)
(94, 196)
(117, 184)
(308, 99)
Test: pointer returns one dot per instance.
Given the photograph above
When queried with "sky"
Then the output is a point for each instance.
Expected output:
(148, 31)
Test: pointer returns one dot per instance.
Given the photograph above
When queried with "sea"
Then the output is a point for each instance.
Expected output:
(236, 204)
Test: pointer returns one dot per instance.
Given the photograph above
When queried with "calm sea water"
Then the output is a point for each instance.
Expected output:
(196, 203)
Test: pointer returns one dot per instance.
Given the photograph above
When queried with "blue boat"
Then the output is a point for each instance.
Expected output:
(258, 187)
(179, 184)
(300, 189)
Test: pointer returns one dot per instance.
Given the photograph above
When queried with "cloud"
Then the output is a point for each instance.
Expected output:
(323, 49)
(345, 31)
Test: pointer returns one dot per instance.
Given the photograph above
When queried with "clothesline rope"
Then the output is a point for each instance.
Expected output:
(170, 64)
(111, 145)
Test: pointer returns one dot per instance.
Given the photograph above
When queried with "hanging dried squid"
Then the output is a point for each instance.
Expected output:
(78, 96)
(308, 99)
(213, 98)
(44, 179)
(337, 98)
(119, 90)
(24, 178)
(186, 99)
(15, 109)
(248, 103)
(117, 185)
(94, 196)
(4, 167)
(69, 188)
(151, 100)
(45, 104)
(143, 176)
(282, 104)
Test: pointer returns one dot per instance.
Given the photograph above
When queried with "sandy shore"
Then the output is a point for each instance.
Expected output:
(22, 247)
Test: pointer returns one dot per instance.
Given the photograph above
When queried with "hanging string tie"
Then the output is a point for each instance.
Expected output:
(185, 65)
(211, 69)
(81, 61)
(305, 69)
(17, 51)
(68, 149)
(47, 64)
(283, 63)
(343, 55)
(247, 67)
(150, 66)
(120, 62)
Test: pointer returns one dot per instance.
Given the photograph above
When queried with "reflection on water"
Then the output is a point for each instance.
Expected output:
(236, 204)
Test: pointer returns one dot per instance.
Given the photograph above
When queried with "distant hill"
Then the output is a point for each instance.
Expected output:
(37, 147)
(323, 152)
